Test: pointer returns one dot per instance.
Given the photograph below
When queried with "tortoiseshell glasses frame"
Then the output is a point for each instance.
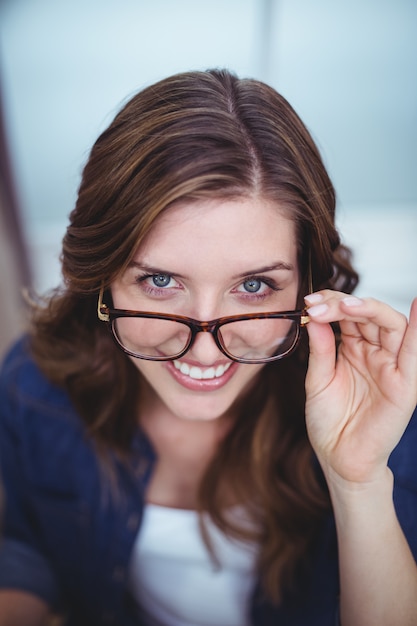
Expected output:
(110, 315)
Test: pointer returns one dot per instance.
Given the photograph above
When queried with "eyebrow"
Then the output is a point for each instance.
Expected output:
(279, 265)
(153, 270)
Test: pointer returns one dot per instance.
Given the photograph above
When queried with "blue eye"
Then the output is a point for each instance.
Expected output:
(161, 280)
(253, 285)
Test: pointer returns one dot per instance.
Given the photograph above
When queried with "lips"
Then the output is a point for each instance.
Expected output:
(200, 373)
(197, 378)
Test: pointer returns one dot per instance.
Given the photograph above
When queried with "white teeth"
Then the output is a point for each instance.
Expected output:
(210, 373)
(199, 373)
(183, 367)
(196, 372)
(221, 369)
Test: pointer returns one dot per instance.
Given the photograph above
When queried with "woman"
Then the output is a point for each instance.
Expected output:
(159, 475)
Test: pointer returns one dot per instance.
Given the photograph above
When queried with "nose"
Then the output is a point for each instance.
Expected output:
(204, 349)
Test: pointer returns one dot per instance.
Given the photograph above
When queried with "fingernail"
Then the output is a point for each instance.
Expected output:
(317, 310)
(352, 301)
(313, 298)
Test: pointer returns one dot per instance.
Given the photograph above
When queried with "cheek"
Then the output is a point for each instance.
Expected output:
(143, 366)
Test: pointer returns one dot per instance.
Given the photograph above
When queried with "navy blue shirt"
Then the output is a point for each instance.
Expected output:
(68, 539)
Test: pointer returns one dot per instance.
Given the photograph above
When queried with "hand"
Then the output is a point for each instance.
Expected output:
(359, 404)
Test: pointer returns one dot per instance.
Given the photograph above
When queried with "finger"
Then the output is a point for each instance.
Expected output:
(360, 331)
(326, 307)
(322, 358)
(407, 359)
(382, 326)
(376, 322)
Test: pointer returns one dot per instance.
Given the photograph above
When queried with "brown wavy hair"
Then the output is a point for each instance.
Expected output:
(194, 136)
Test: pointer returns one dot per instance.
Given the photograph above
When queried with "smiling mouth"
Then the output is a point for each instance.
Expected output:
(199, 373)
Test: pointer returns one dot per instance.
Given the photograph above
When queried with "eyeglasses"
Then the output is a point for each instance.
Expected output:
(251, 338)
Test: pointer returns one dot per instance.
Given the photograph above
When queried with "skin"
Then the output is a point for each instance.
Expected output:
(18, 608)
(208, 270)
(358, 406)
(357, 409)
(204, 264)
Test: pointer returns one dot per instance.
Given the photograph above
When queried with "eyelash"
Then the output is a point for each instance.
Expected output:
(265, 280)
(153, 290)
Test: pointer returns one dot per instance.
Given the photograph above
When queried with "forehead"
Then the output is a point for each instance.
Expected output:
(240, 228)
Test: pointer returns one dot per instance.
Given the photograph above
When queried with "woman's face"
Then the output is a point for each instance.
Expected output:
(207, 260)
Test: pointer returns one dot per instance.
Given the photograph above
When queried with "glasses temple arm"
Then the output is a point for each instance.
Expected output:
(102, 309)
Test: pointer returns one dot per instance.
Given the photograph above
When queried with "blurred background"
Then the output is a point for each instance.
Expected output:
(349, 68)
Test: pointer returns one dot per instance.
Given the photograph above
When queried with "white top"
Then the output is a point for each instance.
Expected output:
(174, 580)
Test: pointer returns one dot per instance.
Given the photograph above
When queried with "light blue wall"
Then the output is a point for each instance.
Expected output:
(348, 67)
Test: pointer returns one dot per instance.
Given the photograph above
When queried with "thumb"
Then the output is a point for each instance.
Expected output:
(322, 359)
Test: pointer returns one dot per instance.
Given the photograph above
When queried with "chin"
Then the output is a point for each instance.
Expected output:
(204, 411)
(198, 404)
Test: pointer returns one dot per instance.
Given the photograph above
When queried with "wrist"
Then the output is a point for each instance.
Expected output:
(379, 482)
(362, 501)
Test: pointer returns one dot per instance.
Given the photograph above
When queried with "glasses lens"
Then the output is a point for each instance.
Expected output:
(154, 338)
(259, 339)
